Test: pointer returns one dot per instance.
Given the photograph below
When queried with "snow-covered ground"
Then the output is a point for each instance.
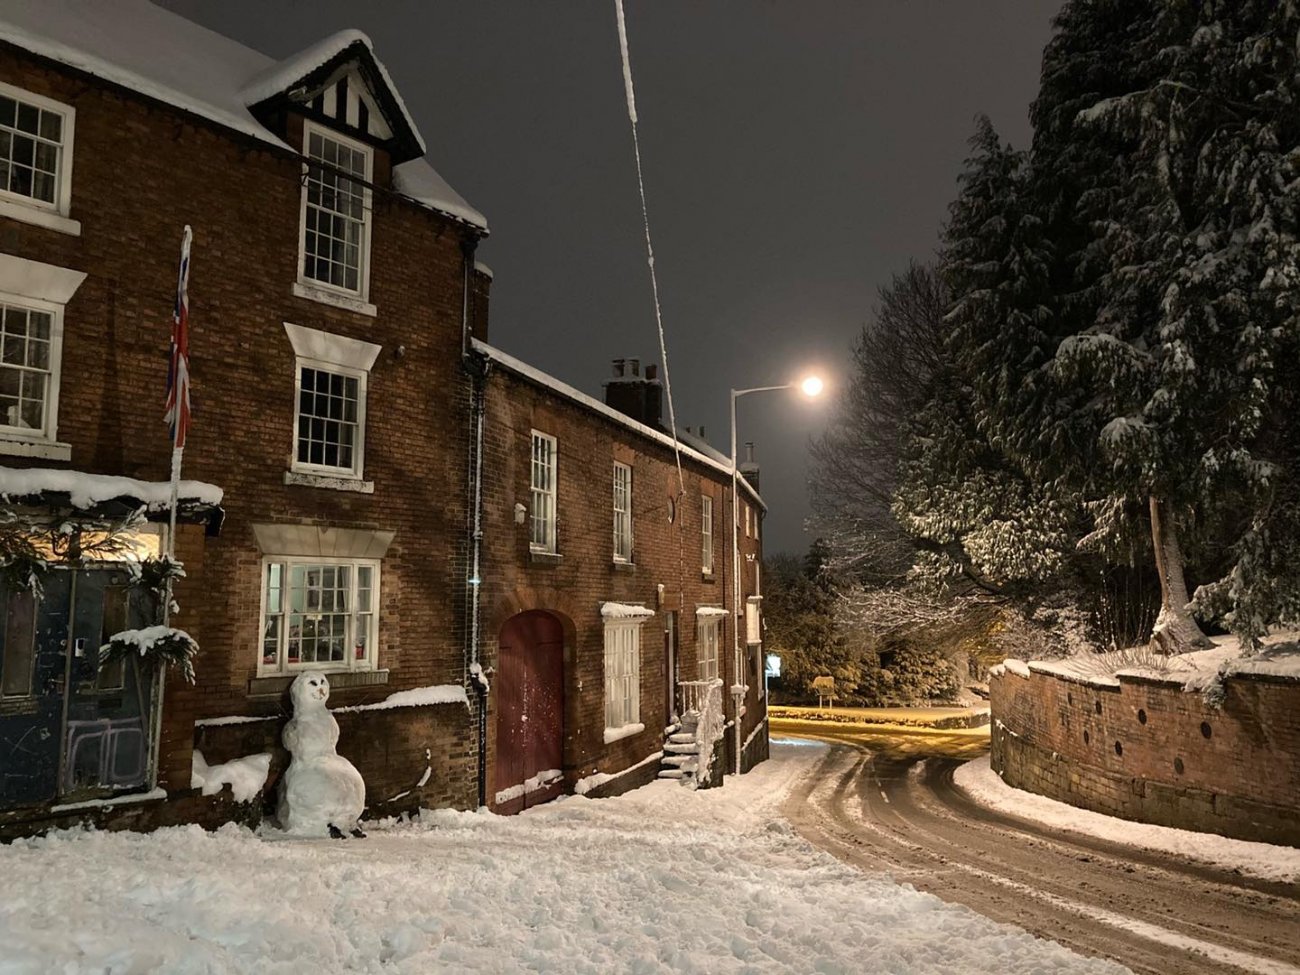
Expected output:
(1281, 863)
(659, 880)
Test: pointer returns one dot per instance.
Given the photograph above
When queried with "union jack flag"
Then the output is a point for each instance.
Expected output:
(178, 371)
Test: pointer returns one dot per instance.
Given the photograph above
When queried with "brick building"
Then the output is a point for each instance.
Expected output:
(358, 457)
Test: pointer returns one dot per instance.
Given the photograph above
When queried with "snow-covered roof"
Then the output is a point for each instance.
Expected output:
(711, 459)
(88, 490)
(140, 46)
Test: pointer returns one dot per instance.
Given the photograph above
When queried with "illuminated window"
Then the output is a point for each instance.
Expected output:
(319, 615)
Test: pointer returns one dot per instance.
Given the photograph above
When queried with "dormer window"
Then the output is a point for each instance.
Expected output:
(335, 215)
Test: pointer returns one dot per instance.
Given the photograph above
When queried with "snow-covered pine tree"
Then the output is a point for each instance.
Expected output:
(1183, 264)
(974, 512)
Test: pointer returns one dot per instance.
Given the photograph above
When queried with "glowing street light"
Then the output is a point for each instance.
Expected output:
(811, 386)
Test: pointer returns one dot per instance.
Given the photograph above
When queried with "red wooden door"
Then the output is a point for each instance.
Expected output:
(530, 711)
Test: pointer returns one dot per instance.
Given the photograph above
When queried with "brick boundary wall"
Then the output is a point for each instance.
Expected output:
(1149, 751)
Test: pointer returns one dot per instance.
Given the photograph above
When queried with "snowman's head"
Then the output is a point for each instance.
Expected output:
(309, 692)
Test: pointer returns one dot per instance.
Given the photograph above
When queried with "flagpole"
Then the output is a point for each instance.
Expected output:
(178, 413)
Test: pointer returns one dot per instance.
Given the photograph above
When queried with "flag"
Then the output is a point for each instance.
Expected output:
(178, 371)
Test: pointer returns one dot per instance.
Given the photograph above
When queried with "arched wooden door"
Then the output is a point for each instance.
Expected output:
(530, 712)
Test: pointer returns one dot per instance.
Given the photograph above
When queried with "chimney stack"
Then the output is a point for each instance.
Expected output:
(634, 395)
(749, 467)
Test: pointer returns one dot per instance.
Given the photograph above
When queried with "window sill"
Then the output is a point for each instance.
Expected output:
(43, 449)
(621, 566)
(40, 218)
(545, 558)
(327, 297)
(706, 577)
(273, 685)
(627, 731)
(329, 482)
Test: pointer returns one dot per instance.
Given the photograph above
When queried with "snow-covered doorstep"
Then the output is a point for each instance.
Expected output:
(661, 879)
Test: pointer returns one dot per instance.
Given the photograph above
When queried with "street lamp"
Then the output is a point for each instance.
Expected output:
(810, 386)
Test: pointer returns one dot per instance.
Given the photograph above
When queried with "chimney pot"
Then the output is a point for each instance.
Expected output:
(651, 373)
(618, 368)
(749, 451)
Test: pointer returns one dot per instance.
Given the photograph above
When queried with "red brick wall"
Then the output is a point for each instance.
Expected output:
(1241, 779)
(585, 575)
(142, 171)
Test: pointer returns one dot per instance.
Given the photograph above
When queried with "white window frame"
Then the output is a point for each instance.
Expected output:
(314, 288)
(314, 349)
(708, 639)
(622, 678)
(282, 666)
(753, 620)
(706, 533)
(622, 502)
(356, 470)
(544, 497)
(47, 433)
(29, 209)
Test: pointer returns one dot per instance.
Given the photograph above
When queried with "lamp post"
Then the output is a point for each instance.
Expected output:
(810, 386)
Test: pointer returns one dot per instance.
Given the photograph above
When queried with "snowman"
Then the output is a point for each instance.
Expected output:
(321, 790)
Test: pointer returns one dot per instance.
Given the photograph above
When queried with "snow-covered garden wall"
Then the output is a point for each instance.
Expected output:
(1144, 748)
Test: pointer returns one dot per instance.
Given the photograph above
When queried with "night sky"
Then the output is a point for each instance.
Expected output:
(796, 154)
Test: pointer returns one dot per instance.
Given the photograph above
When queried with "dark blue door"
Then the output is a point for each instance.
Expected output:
(67, 727)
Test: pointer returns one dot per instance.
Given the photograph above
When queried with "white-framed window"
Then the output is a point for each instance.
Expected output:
(707, 636)
(319, 614)
(622, 512)
(36, 157)
(622, 674)
(706, 532)
(746, 521)
(329, 418)
(756, 520)
(336, 211)
(753, 620)
(331, 378)
(542, 487)
(31, 350)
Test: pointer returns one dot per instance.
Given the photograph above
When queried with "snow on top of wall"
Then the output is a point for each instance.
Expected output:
(415, 698)
(548, 381)
(88, 490)
(483, 269)
(624, 611)
(1072, 668)
(140, 46)
(1018, 667)
(1278, 657)
(711, 611)
(246, 776)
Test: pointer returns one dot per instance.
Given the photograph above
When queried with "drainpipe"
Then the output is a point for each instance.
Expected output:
(478, 368)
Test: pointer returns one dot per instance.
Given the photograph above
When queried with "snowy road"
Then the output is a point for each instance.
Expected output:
(660, 880)
(875, 805)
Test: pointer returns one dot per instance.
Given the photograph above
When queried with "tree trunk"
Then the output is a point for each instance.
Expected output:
(1175, 630)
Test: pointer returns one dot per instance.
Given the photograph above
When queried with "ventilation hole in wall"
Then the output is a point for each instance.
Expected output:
(1205, 729)
(1097, 706)
(1178, 765)
(1069, 698)
(1142, 716)
(1086, 739)
(1119, 748)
